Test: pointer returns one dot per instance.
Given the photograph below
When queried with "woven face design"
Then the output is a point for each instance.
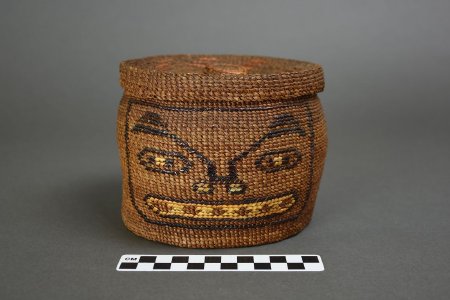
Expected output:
(219, 168)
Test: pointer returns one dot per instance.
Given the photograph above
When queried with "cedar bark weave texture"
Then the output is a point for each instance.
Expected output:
(220, 150)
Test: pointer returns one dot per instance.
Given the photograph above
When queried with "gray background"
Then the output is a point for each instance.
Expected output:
(381, 222)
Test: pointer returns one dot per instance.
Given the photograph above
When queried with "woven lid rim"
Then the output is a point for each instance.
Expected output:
(292, 78)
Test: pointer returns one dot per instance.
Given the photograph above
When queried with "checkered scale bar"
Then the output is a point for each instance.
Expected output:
(296, 263)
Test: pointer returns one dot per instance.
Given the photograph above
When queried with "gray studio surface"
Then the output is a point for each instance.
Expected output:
(381, 223)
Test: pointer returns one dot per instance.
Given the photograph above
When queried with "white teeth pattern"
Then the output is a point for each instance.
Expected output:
(209, 211)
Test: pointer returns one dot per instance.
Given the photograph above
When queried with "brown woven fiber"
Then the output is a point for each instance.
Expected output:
(220, 150)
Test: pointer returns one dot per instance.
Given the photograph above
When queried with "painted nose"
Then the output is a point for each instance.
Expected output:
(232, 187)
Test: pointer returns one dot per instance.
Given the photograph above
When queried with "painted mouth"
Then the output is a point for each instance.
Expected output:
(238, 210)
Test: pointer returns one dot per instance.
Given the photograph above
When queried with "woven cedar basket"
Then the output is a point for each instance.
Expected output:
(220, 151)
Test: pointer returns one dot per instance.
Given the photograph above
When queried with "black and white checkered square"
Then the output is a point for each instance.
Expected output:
(220, 263)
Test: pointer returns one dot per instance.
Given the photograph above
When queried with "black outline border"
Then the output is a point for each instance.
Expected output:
(131, 101)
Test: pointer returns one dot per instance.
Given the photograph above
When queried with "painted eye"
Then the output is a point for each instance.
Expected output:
(277, 160)
(166, 162)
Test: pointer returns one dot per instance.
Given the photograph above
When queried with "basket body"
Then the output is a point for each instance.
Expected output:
(214, 172)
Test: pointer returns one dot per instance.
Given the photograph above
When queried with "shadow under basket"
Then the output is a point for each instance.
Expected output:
(220, 151)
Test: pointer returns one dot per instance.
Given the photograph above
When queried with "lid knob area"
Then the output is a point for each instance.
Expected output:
(226, 69)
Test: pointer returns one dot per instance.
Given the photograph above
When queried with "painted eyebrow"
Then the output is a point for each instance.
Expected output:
(285, 123)
(151, 120)
(282, 124)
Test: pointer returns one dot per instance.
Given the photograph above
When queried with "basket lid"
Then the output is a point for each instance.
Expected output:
(219, 77)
